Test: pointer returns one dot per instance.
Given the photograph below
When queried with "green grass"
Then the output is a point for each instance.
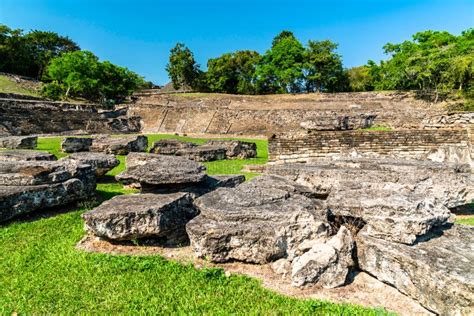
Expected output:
(41, 272)
(377, 128)
(9, 86)
(466, 221)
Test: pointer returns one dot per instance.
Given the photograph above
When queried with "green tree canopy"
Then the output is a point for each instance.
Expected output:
(232, 72)
(81, 74)
(182, 67)
(360, 79)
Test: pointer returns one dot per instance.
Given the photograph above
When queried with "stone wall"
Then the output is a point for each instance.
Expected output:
(260, 115)
(24, 117)
(443, 145)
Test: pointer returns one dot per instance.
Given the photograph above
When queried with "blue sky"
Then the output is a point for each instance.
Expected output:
(139, 34)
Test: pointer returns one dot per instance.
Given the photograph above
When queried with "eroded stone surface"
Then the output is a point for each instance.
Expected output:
(102, 163)
(327, 263)
(452, 185)
(255, 222)
(119, 145)
(27, 186)
(76, 144)
(25, 155)
(136, 216)
(389, 212)
(438, 272)
(170, 146)
(19, 142)
(155, 169)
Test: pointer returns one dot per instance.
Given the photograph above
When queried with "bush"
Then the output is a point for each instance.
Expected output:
(52, 91)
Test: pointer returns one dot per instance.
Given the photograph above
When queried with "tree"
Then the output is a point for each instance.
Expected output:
(232, 72)
(44, 46)
(281, 68)
(360, 79)
(182, 68)
(15, 55)
(81, 74)
(323, 68)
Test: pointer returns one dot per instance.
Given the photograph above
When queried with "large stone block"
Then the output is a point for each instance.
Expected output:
(235, 148)
(19, 142)
(122, 145)
(102, 163)
(259, 221)
(137, 216)
(25, 155)
(76, 144)
(437, 271)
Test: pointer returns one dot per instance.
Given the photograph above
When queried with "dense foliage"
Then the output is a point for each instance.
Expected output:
(433, 62)
(81, 74)
(29, 54)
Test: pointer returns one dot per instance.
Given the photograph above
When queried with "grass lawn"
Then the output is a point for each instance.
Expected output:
(42, 273)
(9, 86)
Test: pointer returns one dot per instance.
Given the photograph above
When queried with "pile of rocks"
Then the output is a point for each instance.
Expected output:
(407, 238)
(169, 184)
(106, 144)
(19, 142)
(27, 186)
(210, 151)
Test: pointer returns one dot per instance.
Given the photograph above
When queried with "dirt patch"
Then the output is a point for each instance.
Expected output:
(362, 289)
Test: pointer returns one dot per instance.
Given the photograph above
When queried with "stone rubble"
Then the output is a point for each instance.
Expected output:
(25, 155)
(122, 145)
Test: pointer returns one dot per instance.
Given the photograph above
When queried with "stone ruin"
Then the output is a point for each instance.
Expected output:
(19, 142)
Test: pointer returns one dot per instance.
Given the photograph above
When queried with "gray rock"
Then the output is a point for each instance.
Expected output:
(102, 163)
(19, 142)
(450, 184)
(122, 145)
(255, 222)
(327, 263)
(390, 214)
(25, 155)
(161, 170)
(76, 144)
(136, 216)
(203, 153)
(438, 271)
(28, 186)
(170, 146)
(235, 148)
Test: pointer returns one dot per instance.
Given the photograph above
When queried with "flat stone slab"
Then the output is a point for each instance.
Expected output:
(170, 146)
(31, 186)
(452, 185)
(25, 155)
(437, 272)
(19, 142)
(102, 163)
(389, 213)
(259, 221)
(120, 145)
(136, 216)
(76, 144)
(235, 149)
(155, 169)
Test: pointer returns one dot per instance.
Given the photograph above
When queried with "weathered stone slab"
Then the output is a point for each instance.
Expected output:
(203, 153)
(158, 170)
(255, 222)
(25, 155)
(438, 272)
(136, 216)
(235, 148)
(76, 144)
(19, 142)
(390, 214)
(119, 145)
(452, 185)
(102, 163)
(41, 184)
(170, 146)
(327, 263)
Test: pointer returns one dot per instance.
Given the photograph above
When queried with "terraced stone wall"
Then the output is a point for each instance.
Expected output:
(443, 145)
